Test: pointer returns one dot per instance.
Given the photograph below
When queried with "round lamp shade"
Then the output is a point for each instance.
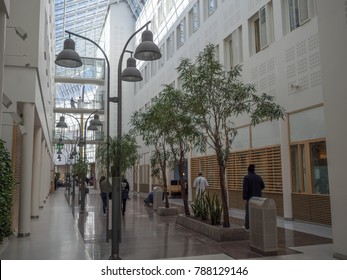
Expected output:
(131, 73)
(147, 50)
(68, 57)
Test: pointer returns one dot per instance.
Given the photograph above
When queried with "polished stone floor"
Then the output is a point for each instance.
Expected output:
(63, 233)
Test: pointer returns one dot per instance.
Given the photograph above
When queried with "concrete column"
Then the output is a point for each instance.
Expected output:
(42, 174)
(138, 178)
(27, 169)
(150, 178)
(47, 177)
(37, 168)
(285, 160)
(333, 45)
(2, 59)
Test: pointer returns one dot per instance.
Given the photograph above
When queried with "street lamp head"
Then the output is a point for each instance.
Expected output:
(131, 73)
(62, 123)
(92, 126)
(68, 57)
(147, 50)
(74, 152)
(96, 121)
(60, 141)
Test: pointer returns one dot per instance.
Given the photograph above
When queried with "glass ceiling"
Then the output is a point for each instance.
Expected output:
(86, 18)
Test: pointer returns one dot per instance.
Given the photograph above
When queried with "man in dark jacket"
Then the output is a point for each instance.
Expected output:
(252, 186)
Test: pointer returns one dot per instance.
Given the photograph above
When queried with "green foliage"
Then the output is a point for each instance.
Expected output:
(206, 207)
(80, 168)
(113, 148)
(6, 188)
(199, 206)
(215, 97)
(169, 128)
(214, 207)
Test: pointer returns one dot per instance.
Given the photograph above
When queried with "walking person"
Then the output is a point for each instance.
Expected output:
(105, 189)
(253, 185)
(72, 102)
(200, 183)
(125, 194)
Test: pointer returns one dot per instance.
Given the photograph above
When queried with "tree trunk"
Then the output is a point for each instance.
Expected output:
(223, 190)
(182, 183)
(165, 188)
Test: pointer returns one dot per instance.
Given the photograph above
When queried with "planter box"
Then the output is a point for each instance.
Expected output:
(217, 233)
(171, 211)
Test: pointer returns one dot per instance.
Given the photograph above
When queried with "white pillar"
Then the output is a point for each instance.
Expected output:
(138, 178)
(2, 59)
(27, 168)
(47, 170)
(333, 45)
(37, 169)
(42, 174)
(285, 161)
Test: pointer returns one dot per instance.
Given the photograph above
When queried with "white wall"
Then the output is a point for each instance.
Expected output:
(333, 45)
(119, 27)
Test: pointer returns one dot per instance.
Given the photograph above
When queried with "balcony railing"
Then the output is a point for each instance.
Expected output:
(92, 68)
(95, 104)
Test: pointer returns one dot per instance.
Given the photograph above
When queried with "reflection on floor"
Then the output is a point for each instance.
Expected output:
(62, 232)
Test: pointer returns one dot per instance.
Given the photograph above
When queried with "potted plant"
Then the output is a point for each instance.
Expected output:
(6, 188)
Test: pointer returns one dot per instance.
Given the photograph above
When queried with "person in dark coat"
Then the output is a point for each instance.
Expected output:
(125, 194)
(253, 185)
(105, 189)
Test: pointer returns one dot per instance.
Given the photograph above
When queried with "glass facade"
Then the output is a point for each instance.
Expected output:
(309, 168)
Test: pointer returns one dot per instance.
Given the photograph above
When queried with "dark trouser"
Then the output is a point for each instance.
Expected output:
(247, 215)
(104, 201)
(124, 203)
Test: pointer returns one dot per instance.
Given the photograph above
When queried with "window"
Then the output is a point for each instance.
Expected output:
(261, 29)
(160, 14)
(181, 34)
(169, 6)
(309, 168)
(233, 48)
(147, 70)
(154, 64)
(210, 7)
(170, 46)
(162, 59)
(194, 18)
(298, 13)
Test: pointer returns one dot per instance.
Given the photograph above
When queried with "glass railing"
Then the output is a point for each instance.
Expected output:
(74, 135)
(96, 104)
(92, 68)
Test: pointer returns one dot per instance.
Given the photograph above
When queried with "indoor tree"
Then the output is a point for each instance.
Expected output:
(216, 98)
(169, 128)
(146, 124)
(108, 151)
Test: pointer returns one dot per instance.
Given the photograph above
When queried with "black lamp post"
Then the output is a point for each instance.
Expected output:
(147, 51)
(93, 126)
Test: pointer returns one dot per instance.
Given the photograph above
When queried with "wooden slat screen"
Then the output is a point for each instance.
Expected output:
(312, 208)
(209, 168)
(268, 166)
(267, 162)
